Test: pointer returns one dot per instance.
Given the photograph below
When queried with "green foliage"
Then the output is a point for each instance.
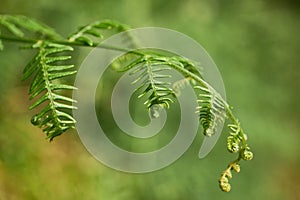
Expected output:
(17, 24)
(211, 110)
(236, 143)
(54, 118)
(150, 68)
(234, 140)
(47, 69)
(82, 35)
(150, 81)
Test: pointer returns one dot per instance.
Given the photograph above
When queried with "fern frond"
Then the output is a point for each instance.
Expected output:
(236, 143)
(148, 67)
(211, 110)
(17, 23)
(82, 35)
(234, 139)
(152, 82)
(54, 118)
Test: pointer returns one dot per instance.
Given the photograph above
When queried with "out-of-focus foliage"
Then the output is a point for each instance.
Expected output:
(255, 45)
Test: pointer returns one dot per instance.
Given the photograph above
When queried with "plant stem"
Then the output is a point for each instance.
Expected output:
(17, 40)
(66, 42)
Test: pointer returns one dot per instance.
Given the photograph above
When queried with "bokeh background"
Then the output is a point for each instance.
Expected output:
(256, 46)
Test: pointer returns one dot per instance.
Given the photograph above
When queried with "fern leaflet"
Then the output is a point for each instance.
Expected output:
(151, 82)
(54, 118)
(211, 110)
(148, 67)
(83, 34)
(17, 23)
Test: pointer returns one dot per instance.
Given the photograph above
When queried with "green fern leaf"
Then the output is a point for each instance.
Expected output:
(11, 26)
(148, 67)
(234, 139)
(16, 23)
(211, 110)
(82, 35)
(54, 118)
(151, 82)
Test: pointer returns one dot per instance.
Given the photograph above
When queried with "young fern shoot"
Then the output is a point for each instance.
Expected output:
(49, 68)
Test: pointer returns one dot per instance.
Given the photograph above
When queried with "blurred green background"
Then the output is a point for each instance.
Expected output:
(256, 46)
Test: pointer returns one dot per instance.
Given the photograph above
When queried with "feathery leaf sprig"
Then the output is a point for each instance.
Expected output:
(150, 69)
(84, 33)
(55, 117)
(16, 24)
(211, 110)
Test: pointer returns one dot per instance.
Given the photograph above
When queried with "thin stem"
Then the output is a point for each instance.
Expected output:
(66, 42)
(17, 40)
